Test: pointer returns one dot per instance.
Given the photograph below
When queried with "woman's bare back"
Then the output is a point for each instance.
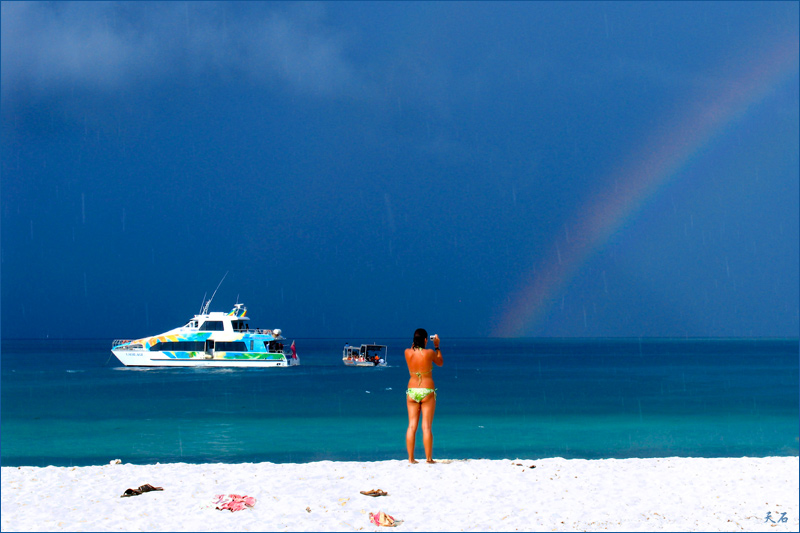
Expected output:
(420, 366)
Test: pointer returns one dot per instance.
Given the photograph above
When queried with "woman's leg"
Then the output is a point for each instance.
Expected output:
(413, 422)
(428, 406)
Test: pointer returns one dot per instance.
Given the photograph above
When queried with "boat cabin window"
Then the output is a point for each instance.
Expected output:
(240, 325)
(212, 325)
(237, 346)
(181, 346)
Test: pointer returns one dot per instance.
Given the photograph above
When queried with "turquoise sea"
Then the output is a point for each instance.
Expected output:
(70, 402)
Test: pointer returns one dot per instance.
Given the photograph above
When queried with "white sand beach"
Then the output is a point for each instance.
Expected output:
(672, 494)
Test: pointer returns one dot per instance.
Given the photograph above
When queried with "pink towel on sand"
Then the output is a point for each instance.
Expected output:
(382, 519)
(233, 502)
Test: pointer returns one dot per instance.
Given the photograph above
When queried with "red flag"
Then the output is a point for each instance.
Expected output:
(294, 351)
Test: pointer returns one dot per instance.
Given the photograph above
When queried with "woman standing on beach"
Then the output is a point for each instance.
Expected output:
(421, 393)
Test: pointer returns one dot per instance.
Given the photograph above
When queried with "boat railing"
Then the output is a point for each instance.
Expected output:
(121, 341)
(256, 331)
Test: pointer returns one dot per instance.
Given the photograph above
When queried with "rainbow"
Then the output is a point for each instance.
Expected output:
(638, 180)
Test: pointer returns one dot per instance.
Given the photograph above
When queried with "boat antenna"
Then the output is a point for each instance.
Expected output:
(205, 309)
(203, 302)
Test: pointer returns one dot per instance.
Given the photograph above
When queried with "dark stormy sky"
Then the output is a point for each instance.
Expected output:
(362, 169)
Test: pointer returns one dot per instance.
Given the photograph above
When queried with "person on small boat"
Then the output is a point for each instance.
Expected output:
(421, 392)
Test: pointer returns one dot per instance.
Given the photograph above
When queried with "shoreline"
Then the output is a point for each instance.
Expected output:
(671, 494)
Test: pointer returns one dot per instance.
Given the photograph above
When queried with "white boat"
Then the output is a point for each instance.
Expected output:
(366, 355)
(210, 339)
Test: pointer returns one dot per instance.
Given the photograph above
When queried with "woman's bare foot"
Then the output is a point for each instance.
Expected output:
(430, 461)
(412, 461)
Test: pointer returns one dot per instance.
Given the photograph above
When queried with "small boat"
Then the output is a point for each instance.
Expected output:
(366, 355)
(210, 339)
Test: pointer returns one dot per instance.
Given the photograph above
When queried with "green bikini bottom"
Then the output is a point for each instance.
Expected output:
(418, 394)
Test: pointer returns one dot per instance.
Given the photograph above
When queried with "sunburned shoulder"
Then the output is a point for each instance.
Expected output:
(424, 353)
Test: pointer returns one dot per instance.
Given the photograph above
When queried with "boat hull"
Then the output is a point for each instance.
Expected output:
(146, 358)
(361, 363)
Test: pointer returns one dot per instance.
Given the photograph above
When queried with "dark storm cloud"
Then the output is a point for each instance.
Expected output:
(366, 168)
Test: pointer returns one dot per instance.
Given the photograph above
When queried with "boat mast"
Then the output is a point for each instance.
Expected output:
(205, 308)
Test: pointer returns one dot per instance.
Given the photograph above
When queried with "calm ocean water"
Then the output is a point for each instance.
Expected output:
(66, 403)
